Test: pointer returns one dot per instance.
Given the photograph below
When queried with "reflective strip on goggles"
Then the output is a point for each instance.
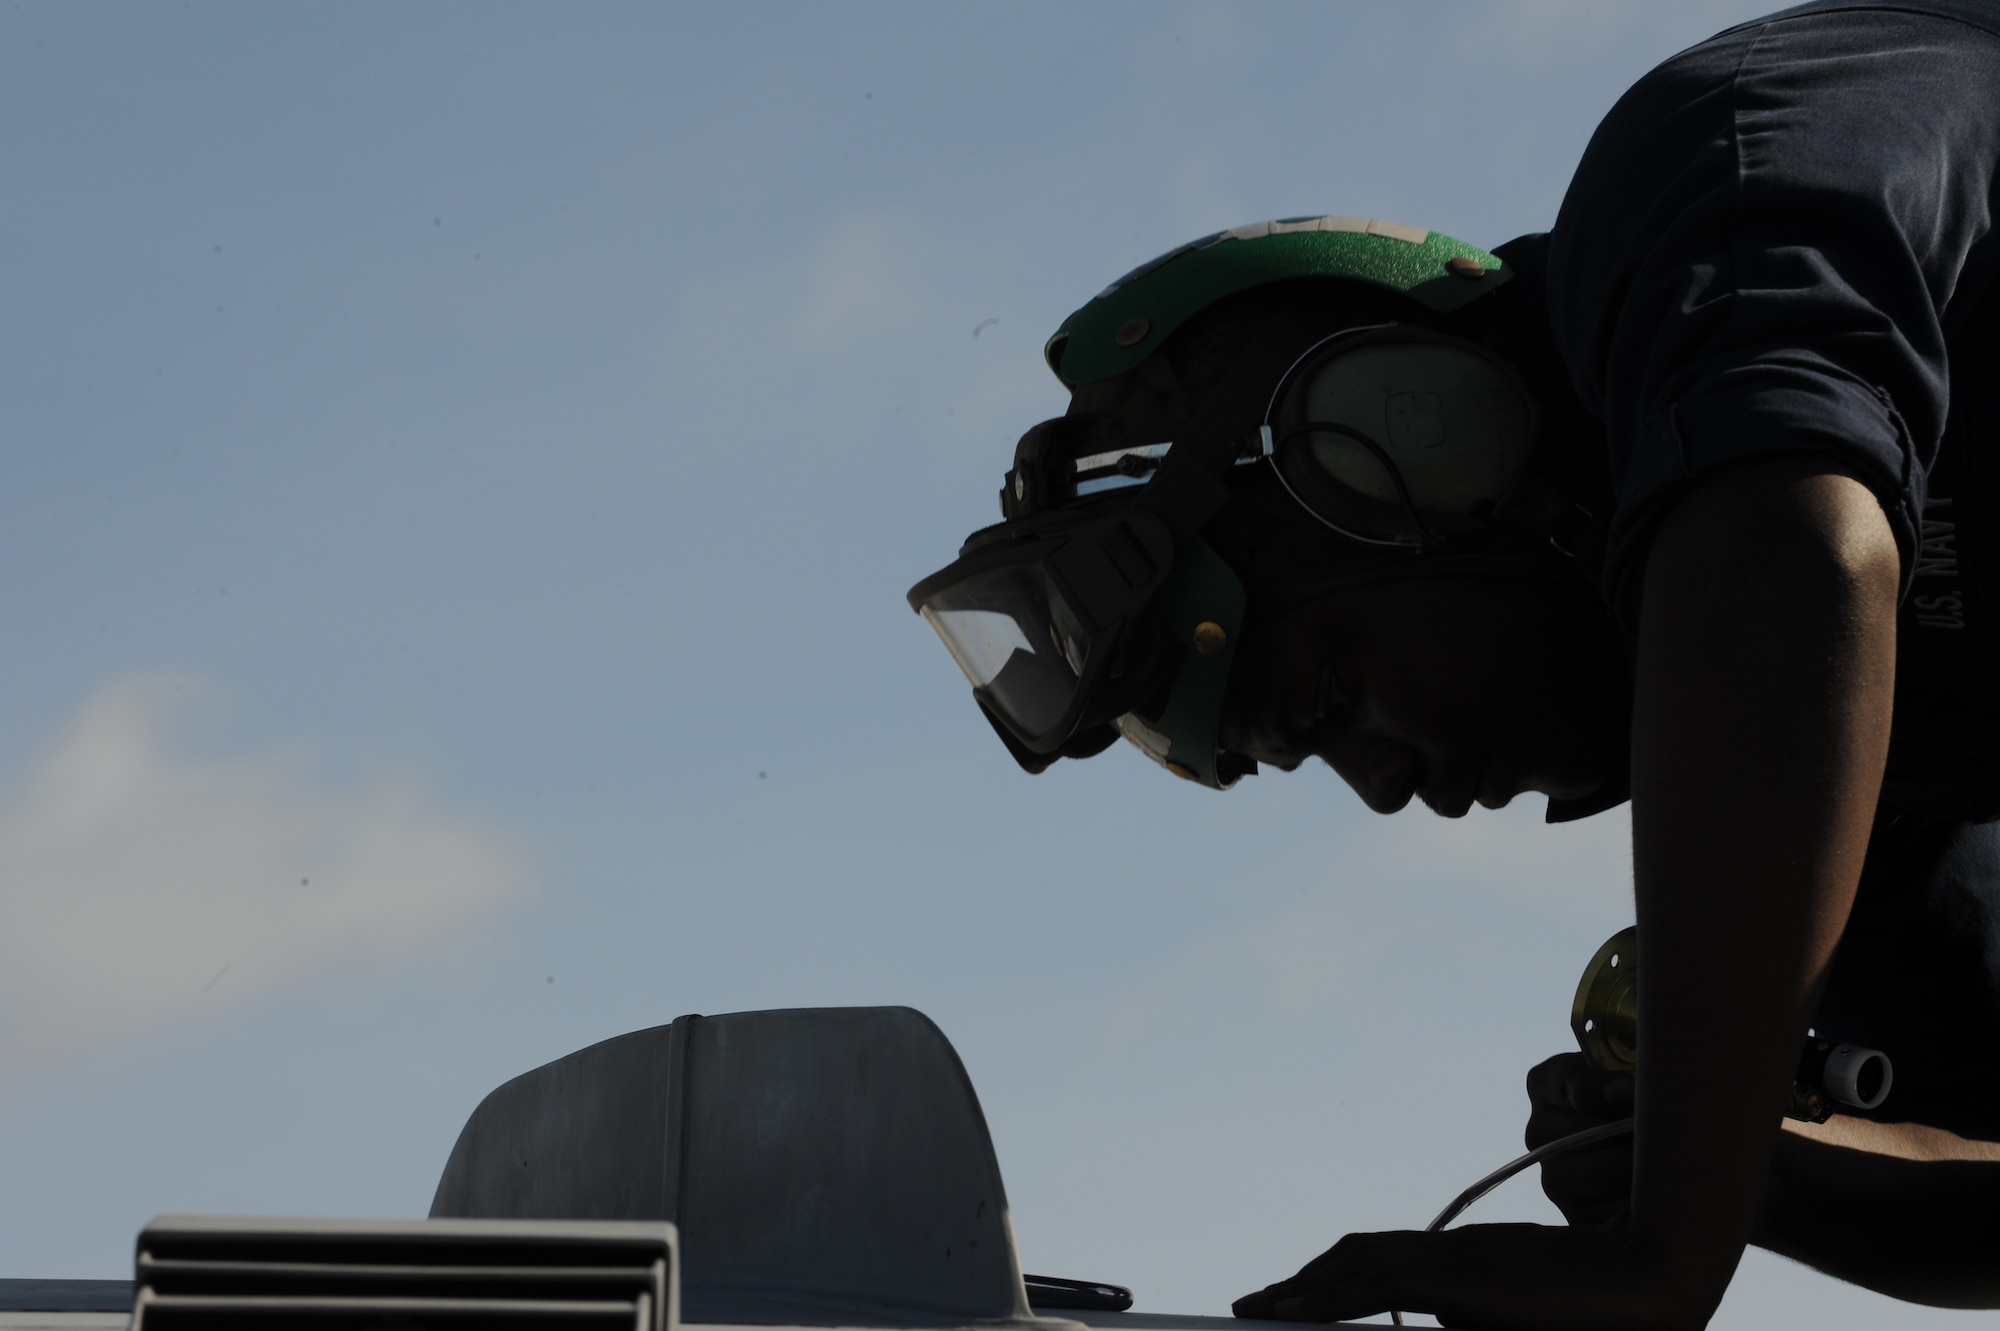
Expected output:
(1123, 468)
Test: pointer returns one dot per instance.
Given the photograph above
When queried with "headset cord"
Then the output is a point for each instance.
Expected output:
(1389, 468)
(1575, 1141)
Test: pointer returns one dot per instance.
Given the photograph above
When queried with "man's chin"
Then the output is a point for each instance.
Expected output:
(1456, 807)
(1567, 787)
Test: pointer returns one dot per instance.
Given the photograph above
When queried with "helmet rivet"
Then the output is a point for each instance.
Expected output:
(1183, 771)
(1461, 266)
(1210, 637)
(1133, 331)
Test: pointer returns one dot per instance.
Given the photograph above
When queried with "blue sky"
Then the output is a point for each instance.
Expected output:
(462, 464)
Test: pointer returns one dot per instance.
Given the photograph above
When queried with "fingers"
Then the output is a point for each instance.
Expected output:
(1591, 1186)
(1552, 1279)
(1567, 1081)
(1337, 1285)
(1588, 1185)
(1261, 1303)
(1617, 1092)
(1548, 1080)
(1452, 1275)
(1566, 1096)
(1546, 1125)
(1256, 1305)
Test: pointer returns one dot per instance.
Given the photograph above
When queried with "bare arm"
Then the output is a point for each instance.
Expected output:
(1903, 1209)
(1760, 727)
(1900, 1208)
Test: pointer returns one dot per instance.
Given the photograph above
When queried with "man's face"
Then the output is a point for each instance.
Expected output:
(1458, 684)
(1448, 680)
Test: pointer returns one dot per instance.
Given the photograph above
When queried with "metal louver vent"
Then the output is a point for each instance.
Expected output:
(231, 1273)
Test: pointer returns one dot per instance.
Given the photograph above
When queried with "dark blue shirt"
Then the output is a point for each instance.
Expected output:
(1767, 246)
(1781, 242)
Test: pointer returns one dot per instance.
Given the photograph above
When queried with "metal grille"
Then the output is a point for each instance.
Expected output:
(256, 1274)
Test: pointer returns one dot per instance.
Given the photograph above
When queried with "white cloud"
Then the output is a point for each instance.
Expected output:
(860, 283)
(140, 882)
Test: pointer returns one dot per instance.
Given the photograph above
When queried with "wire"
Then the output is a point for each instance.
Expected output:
(1576, 1140)
(1389, 467)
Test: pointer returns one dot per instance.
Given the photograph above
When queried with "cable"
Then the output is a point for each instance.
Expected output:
(1576, 1140)
(1588, 1137)
(1388, 465)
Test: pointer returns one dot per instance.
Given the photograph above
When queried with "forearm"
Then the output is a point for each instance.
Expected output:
(1903, 1210)
(1760, 726)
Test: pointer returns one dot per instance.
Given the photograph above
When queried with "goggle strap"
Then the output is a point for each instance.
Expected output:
(1189, 489)
(1203, 588)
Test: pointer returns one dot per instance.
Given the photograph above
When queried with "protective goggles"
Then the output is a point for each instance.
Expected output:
(1100, 613)
(1096, 610)
(1071, 638)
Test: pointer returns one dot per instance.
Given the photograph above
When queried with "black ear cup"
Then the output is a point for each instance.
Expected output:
(1403, 436)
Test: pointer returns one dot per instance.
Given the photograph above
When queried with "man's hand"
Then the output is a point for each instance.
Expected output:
(1497, 1277)
(1565, 1094)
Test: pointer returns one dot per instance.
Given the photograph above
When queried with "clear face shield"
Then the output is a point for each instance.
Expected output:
(1018, 641)
(1074, 632)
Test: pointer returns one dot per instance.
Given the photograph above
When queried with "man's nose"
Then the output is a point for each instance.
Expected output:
(1384, 773)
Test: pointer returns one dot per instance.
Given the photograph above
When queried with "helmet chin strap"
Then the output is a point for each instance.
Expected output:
(1245, 387)
(1220, 428)
(1202, 592)
(1570, 529)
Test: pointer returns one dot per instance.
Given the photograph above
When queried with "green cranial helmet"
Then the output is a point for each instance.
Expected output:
(1100, 608)
(1130, 319)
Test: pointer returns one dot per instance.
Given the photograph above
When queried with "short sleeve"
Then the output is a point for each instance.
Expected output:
(1762, 252)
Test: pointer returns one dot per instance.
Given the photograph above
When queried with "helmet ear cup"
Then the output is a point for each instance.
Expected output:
(1414, 420)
